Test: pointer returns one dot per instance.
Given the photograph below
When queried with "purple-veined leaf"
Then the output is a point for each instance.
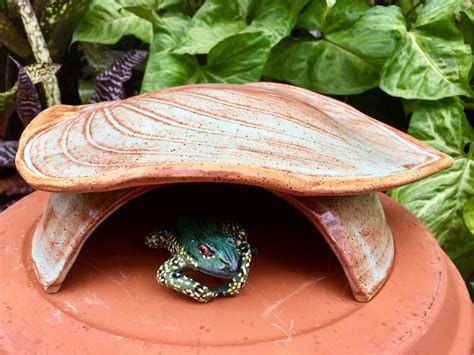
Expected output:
(28, 104)
(38, 72)
(109, 84)
(7, 153)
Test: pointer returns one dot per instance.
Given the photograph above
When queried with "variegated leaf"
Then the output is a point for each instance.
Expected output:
(109, 84)
(7, 153)
(439, 200)
(28, 104)
(40, 72)
(36, 72)
(39, 49)
(468, 214)
(60, 10)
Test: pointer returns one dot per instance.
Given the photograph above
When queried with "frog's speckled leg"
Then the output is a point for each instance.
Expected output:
(237, 282)
(158, 238)
(169, 274)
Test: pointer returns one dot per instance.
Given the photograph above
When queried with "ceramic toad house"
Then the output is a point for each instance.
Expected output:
(322, 156)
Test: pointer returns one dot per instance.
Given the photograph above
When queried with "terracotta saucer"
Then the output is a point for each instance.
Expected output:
(297, 299)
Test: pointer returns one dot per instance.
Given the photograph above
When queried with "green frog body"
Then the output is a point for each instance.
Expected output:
(205, 244)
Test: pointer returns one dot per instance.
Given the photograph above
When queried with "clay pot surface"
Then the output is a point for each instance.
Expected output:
(297, 299)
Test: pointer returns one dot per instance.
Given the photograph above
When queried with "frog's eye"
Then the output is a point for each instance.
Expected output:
(204, 250)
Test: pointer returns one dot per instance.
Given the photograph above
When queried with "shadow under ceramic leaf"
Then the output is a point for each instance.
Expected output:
(281, 234)
(114, 275)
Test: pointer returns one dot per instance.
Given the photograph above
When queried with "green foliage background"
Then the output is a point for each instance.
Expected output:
(407, 63)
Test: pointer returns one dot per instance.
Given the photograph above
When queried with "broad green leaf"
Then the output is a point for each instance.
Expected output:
(466, 26)
(321, 17)
(274, 18)
(374, 35)
(467, 6)
(166, 69)
(12, 38)
(163, 68)
(321, 66)
(145, 4)
(431, 61)
(214, 21)
(237, 59)
(163, 4)
(468, 214)
(219, 19)
(106, 21)
(436, 10)
(439, 200)
(169, 30)
(344, 62)
(185, 7)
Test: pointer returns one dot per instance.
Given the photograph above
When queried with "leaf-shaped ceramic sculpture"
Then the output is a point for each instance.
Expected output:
(289, 140)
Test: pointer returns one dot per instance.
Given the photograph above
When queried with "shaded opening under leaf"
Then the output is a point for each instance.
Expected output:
(467, 148)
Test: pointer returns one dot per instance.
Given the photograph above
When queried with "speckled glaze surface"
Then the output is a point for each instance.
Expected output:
(354, 227)
(66, 223)
(282, 138)
(269, 135)
(357, 232)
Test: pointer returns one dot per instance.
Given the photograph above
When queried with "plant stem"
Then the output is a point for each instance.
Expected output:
(39, 48)
(409, 12)
(406, 5)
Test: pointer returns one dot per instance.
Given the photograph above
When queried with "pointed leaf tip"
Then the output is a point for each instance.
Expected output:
(28, 104)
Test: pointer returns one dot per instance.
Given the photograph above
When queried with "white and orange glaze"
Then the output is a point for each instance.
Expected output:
(270, 135)
(307, 148)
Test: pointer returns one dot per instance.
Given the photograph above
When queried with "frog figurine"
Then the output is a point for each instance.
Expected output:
(208, 245)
